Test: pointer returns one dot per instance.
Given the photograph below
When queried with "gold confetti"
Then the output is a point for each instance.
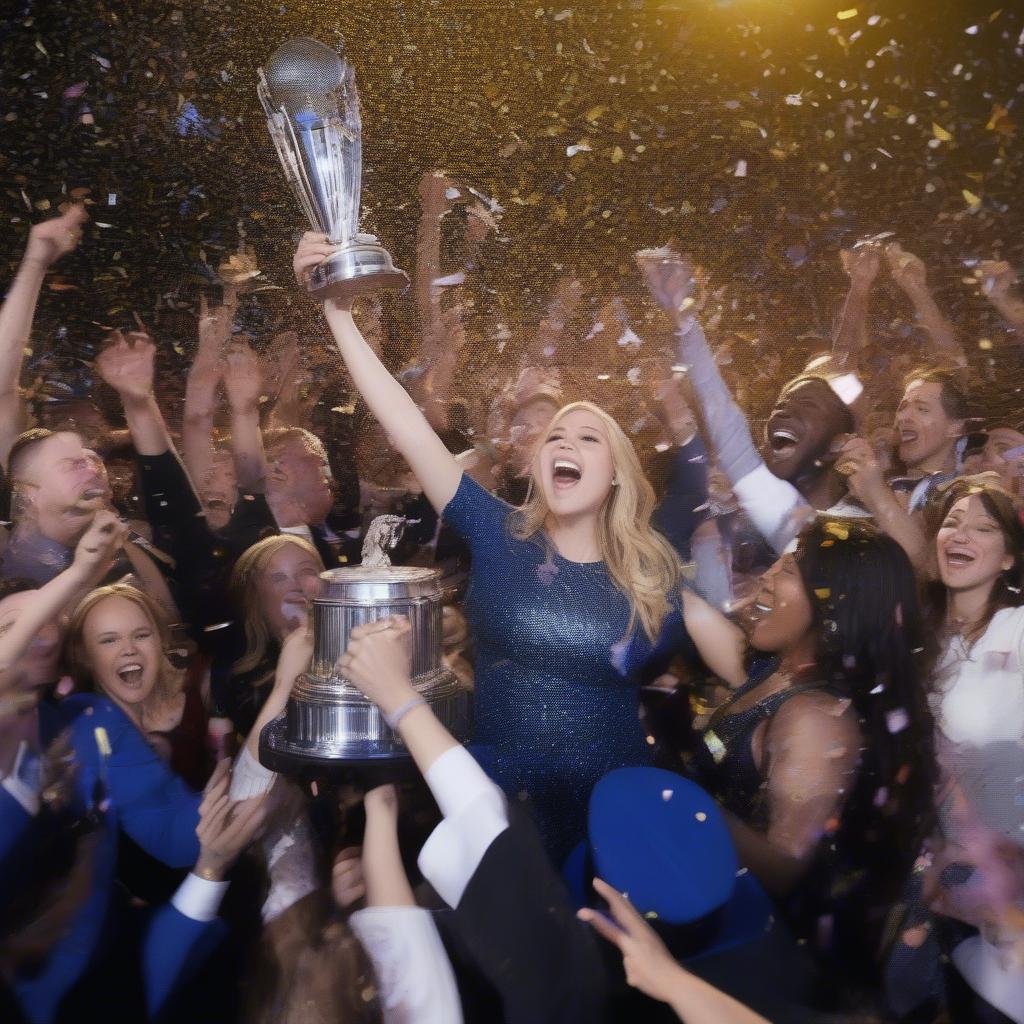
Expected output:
(850, 12)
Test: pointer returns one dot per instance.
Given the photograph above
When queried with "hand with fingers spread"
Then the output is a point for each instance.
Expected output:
(348, 886)
(313, 249)
(378, 662)
(225, 827)
(672, 279)
(99, 545)
(126, 364)
(243, 376)
(56, 237)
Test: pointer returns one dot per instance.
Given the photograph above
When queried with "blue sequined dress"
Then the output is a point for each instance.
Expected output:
(557, 681)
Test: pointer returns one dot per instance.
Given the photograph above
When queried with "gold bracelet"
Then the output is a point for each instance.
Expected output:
(207, 874)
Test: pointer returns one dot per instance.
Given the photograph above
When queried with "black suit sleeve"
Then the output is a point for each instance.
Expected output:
(516, 918)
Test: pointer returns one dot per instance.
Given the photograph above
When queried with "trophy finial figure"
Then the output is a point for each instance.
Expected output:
(383, 534)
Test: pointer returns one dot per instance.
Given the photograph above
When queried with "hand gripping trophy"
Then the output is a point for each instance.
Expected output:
(309, 94)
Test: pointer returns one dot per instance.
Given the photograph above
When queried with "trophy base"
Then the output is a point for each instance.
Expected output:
(361, 265)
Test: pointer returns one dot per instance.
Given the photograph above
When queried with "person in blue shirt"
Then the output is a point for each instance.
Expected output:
(109, 779)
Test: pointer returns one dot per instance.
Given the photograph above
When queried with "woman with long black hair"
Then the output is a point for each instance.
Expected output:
(822, 755)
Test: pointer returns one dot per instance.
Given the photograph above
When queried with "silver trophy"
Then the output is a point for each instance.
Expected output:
(309, 94)
(328, 723)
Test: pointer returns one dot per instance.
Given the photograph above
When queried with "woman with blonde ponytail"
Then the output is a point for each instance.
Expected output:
(572, 596)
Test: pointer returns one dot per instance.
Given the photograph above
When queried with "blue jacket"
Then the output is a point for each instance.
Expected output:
(129, 788)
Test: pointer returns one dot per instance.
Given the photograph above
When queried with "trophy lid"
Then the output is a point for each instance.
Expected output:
(305, 74)
(362, 584)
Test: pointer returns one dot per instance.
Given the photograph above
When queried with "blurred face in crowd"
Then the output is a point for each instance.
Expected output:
(927, 434)
(995, 459)
(800, 429)
(574, 465)
(286, 585)
(62, 483)
(526, 427)
(123, 650)
(78, 417)
(300, 475)
(219, 490)
(780, 616)
(39, 666)
(971, 547)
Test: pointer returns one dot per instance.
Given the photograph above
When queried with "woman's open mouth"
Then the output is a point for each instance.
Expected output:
(959, 559)
(131, 675)
(566, 473)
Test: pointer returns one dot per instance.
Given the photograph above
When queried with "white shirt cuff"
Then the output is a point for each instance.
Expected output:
(475, 815)
(249, 778)
(199, 898)
(302, 530)
(417, 985)
(25, 795)
(987, 972)
(775, 507)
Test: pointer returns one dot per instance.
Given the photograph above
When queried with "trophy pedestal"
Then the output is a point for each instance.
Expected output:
(362, 265)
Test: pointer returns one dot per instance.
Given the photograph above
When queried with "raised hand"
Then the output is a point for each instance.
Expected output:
(56, 237)
(434, 186)
(997, 278)
(242, 375)
(907, 270)
(858, 462)
(99, 545)
(862, 262)
(225, 827)
(672, 280)
(378, 662)
(313, 249)
(648, 964)
(239, 268)
(126, 364)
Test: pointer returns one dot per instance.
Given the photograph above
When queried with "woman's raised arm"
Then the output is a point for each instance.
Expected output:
(407, 428)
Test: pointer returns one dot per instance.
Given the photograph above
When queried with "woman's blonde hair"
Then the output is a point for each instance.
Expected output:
(641, 563)
(252, 562)
(170, 680)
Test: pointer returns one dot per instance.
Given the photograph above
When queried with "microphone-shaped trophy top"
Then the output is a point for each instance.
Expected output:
(305, 73)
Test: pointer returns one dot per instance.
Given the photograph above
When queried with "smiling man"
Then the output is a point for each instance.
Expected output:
(930, 422)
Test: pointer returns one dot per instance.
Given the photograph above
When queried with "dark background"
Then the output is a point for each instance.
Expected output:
(669, 96)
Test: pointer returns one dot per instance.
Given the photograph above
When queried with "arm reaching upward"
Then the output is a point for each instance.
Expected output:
(410, 433)
(909, 273)
(997, 281)
(201, 384)
(47, 243)
(861, 263)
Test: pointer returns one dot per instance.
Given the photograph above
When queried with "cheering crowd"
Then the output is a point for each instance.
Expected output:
(748, 744)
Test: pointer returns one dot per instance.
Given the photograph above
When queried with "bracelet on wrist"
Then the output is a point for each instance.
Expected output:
(207, 874)
(402, 710)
